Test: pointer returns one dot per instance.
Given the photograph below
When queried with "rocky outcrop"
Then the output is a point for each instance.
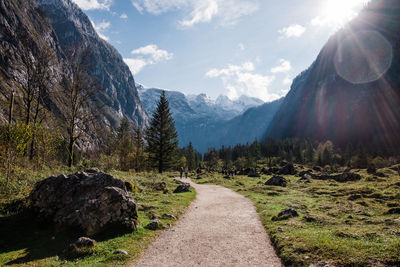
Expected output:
(77, 37)
(342, 177)
(90, 203)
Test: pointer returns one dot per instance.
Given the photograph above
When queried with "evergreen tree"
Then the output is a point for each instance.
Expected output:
(139, 150)
(191, 157)
(161, 137)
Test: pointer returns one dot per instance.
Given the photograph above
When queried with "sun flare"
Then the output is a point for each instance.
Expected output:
(339, 12)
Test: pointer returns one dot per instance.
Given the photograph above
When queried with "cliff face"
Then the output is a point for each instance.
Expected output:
(118, 94)
(351, 93)
(29, 29)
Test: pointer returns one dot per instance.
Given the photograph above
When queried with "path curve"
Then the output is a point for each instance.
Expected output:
(220, 228)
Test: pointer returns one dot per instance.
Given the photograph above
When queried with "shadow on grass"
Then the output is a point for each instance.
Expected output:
(39, 240)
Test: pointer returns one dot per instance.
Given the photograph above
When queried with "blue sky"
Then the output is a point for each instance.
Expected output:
(229, 47)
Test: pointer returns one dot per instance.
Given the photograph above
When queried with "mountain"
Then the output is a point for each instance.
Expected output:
(118, 94)
(29, 29)
(212, 123)
(351, 93)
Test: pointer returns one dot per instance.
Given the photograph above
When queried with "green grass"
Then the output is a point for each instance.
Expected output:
(25, 243)
(330, 228)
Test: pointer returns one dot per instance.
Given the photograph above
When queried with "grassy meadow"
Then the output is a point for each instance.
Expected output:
(25, 243)
(345, 224)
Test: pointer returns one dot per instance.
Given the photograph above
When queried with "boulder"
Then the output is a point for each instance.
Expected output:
(302, 173)
(86, 202)
(185, 187)
(277, 181)
(287, 169)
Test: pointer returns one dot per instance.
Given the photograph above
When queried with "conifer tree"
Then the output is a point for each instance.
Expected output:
(161, 137)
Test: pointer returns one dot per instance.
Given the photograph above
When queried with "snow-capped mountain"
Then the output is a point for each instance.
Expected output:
(211, 123)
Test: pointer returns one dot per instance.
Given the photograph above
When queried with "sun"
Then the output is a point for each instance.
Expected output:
(338, 12)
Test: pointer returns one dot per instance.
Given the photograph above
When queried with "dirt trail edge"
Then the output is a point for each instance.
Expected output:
(220, 228)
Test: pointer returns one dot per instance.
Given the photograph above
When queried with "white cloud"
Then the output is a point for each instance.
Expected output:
(203, 12)
(101, 27)
(147, 55)
(241, 47)
(284, 66)
(294, 30)
(287, 81)
(241, 80)
(94, 4)
(123, 16)
(226, 11)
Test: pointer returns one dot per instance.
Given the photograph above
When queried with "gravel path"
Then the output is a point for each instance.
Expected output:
(220, 228)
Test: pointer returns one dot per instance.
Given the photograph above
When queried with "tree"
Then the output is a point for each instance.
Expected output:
(161, 137)
(191, 164)
(78, 90)
(139, 150)
(124, 139)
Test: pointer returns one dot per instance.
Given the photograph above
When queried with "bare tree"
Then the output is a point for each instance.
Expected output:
(78, 91)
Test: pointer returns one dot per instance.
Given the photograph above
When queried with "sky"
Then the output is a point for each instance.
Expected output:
(219, 47)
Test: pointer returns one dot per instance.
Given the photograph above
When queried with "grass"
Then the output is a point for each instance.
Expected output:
(25, 243)
(331, 228)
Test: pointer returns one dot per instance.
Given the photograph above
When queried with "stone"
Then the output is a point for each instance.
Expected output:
(120, 252)
(277, 181)
(380, 174)
(394, 211)
(342, 177)
(84, 242)
(287, 169)
(286, 214)
(185, 187)
(88, 203)
(354, 197)
(371, 169)
(169, 216)
(160, 186)
(178, 181)
(154, 225)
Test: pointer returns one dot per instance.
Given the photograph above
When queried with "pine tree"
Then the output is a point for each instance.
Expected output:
(161, 137)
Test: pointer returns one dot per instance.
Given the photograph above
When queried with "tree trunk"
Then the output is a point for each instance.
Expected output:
(71, 151)
(10, 115)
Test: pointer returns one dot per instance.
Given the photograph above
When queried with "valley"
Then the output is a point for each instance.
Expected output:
(237, 164)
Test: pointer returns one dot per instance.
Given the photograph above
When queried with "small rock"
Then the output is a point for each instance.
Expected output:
(154, 225)
(287, 169)
(394, 211)
(169, 216)
(286, 214)
(84, 242)
(277, 181)
(160, 186)
(354, 197)
(185, 187)
(120, 252)
(155, 216)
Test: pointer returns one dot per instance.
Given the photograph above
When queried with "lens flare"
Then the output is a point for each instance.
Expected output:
(363, 57)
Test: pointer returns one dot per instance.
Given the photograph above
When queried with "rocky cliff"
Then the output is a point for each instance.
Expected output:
(351, 93)
(29, 29)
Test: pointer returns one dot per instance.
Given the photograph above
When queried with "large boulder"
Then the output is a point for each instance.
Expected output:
(88, 202)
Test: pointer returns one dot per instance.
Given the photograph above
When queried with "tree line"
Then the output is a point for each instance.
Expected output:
(302, 151)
